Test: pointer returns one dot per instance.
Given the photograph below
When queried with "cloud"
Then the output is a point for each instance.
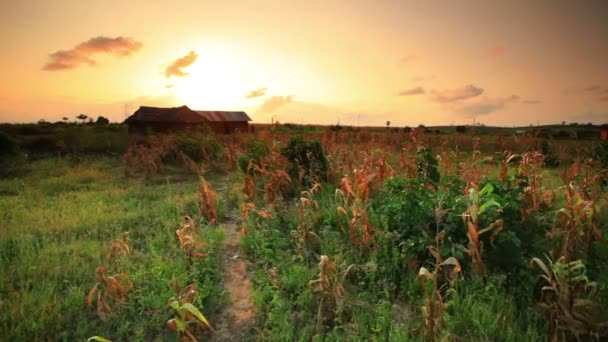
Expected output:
(175, 68)
(408, 58)
(83, 52)
(485, 106)
(590, 116)
(423, 78)
(495, 51)
(412, 91)
(592, 88)
(274, 103)
(256, 93)
(531, 102)
(595, 90)
(457, 94)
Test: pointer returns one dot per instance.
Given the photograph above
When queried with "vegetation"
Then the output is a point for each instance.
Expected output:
(349, 234)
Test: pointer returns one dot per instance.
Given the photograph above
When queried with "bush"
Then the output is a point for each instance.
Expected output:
(306, 156)
(10, 154)
(551, 160)
(8, 146)
(257, 149)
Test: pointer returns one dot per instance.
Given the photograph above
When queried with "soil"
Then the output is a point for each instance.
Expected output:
(236, 320)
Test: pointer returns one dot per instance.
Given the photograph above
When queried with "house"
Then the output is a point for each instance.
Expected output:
(158, 119)
(163, 119)
(226, 122)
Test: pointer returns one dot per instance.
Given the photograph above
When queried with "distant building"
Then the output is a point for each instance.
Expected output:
(226, 122)
(158, 119)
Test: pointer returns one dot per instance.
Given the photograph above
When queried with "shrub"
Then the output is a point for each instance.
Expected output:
(257, 149)
(307, 158)
(10, 156)
(8, 146)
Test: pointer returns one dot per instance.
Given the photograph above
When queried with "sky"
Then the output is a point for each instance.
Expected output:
(355, 62)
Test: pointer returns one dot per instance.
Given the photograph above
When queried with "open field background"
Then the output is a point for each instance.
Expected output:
(347, 233)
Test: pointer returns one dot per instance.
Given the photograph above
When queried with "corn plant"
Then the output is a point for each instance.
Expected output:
(568, 299)
(189, 244)
(330, 287)
(306, 210)
(529, 168)
(207, 201)
(186, 315)
(576, 224)
(117, 248)
(250, 190)
(108, 290)
(471, 220)
(435, 285)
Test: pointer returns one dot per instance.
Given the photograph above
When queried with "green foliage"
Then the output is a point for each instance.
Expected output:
(427, 166)
(307, 160)
(256, 150)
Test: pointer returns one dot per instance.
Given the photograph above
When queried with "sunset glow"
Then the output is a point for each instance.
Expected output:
(357, 62)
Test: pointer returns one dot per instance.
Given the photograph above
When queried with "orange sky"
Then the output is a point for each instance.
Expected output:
(356, 62)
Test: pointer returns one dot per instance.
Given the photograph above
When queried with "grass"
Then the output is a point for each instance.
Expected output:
(60, 217)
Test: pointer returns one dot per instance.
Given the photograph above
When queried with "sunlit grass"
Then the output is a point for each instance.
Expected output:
(58, 220)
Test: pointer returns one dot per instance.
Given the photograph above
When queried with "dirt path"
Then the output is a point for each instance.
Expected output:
(236, 320)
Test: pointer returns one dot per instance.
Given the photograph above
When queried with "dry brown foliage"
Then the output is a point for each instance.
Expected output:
(108, 290)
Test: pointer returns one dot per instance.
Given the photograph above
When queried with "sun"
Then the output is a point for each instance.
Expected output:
(212, 83)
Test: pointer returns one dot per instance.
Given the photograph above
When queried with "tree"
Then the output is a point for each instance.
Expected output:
(388, 124)
(102, 121)
(82, 117)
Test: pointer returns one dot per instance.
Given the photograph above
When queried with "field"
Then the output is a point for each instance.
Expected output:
(303, 233)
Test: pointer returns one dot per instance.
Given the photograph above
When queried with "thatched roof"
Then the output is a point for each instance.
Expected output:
(224, 116)
(181, 114)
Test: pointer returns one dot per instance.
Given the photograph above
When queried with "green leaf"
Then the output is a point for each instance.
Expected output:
(193, 310)
(489, 204)
(180, 324)
(488, 189)
(98, 339)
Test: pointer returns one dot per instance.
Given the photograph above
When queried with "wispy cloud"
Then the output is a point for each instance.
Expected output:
(495, 51)
(408, 58)
(256, 93)
(457, 94)
(175, 68)
(83, 53)
(485, 106)
(412, 91)
(599, 92)
(274, 103)
(531, 102)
